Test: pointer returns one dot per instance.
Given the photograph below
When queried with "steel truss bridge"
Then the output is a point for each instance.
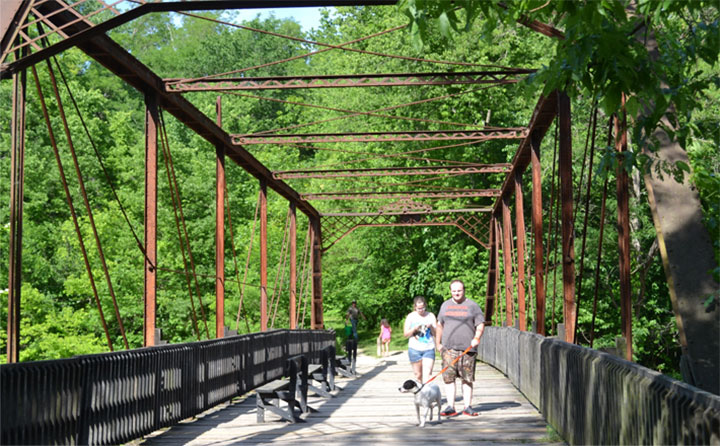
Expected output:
(589, 397)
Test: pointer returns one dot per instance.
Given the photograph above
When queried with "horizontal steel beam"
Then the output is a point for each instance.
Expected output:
(401, 195)
(499, 77)
(393, 171)
(421, 135)
(413, 212)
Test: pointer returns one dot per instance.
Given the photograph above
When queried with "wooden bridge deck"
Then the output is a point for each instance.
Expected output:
(369, 411)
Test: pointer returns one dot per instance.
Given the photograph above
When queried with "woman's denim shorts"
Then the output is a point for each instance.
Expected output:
(417, 355)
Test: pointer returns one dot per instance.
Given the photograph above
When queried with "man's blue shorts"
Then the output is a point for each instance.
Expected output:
(417, 355)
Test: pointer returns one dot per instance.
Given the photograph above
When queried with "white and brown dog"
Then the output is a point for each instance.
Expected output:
(427, 397)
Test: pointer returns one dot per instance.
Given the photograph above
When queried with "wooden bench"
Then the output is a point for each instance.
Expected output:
(269, 397)
(292, 388)
(323, 374)
(315, 373)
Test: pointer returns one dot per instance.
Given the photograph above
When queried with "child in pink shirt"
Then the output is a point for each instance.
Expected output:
(384, 338)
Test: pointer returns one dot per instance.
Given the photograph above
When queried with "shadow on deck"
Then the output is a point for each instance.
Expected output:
(370, 410)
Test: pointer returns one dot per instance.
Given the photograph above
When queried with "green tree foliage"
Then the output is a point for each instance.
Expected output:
(603, 53)
(52, 330)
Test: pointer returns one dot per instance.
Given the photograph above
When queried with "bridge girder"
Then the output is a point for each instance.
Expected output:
(498, 77)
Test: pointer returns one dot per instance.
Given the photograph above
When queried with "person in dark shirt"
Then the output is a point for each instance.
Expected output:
(353, 315)
(460, 324)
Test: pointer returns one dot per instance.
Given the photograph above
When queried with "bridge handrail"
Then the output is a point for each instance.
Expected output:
(112, 398)
(591, 397)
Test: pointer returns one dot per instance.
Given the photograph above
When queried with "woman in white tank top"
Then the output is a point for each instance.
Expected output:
(420, 331)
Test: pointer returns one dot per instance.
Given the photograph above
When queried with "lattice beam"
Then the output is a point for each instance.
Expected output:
(473, 222)
(393, 171)
(406, 195)
(422, 135)
(499, 77)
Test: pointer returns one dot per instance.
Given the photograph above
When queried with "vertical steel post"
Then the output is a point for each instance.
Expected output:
(316, 313)
(293, 265)
(263, 256)
(520, 243)
(492, 275)
(219, 231)
(496, 260)
(507, 262)
(151, 140)
(623, 208)
(17, 182)
(566, 197)
(538, 234)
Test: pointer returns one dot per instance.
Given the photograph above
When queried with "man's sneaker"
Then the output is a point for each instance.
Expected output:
(470, 412)
(448, 412)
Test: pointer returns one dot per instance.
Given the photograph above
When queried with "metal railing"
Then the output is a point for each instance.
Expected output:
(591, 397)
(115, 397)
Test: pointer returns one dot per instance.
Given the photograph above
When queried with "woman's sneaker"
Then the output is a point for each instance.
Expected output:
(470, 412)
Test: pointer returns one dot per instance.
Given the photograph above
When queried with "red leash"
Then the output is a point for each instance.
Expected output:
(449, 365)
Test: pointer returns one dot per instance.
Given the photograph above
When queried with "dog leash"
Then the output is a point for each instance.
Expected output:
(448, 366)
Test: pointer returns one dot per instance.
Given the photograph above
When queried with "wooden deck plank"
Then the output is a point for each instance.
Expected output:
(370, 410)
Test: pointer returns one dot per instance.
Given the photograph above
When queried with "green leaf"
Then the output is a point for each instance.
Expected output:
(707, 302)
(415, 37)
(632, 105)
(445, 26)
(682, 166)
(454, 20)
(611, 101)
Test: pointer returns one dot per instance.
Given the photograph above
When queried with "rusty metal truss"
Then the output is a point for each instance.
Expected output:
(405, 205)
(34, 30)
(405, 195)
(473, 222)
(30, 15)
(499, 77)
(420, 135)
(18, 32)
(15, 28)
(393, 171)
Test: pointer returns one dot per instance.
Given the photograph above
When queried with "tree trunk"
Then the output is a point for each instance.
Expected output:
(688, 260)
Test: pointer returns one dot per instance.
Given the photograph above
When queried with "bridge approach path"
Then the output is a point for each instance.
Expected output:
(369, 410)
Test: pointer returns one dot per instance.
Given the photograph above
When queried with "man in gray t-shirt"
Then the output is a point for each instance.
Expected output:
(460, 323)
